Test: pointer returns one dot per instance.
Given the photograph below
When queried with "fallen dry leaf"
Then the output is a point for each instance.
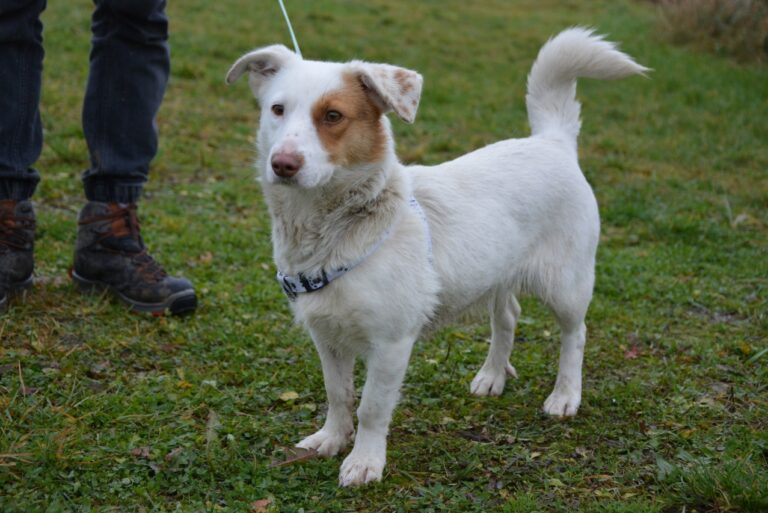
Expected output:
(632, 353)
(261, 505)
(99, 370)
(140, 452)
(289, 396)
(173, 454)
(26, 391)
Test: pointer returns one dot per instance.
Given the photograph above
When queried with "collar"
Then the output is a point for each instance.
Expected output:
(301, 283)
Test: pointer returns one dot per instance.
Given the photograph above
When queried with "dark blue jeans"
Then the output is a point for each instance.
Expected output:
(129, 67)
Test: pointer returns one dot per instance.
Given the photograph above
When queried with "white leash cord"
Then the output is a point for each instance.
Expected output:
(290, 28)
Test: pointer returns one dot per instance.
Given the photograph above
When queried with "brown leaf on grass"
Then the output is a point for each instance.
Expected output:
(289, 396)
(475, 436)
(260, 506)
(70, 341)
(27, 391)
(494, 484)
(173, 454)
(141, 452)
(99, 370)
(204, 259)
(582, 452)
(632, 353)
(294, 455)
(599, 477)
(96, 386)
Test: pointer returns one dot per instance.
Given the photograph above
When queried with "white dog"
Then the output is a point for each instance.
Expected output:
(370, 252)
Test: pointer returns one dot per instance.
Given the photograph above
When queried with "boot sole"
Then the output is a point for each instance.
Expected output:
(13, 289)
(180, 303)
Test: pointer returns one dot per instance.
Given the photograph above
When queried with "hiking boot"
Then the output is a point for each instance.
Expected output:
(17, 241)
(110, 255)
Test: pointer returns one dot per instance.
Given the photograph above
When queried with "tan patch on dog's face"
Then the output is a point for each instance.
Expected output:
(358, 137)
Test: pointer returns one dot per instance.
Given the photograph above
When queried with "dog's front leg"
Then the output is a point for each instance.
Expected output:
(338, 369)
(386, 365)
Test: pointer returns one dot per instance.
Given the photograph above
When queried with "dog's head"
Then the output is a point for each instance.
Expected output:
(321, 118)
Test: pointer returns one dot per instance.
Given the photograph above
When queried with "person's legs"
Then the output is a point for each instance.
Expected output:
(21, 138)
(129, 70)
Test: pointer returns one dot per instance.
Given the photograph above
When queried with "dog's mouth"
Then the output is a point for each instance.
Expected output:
(291, 181)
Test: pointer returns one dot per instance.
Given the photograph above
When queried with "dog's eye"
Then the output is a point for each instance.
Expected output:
(278, 109)
(333, 116)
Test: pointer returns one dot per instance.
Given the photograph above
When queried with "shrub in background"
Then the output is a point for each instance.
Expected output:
(734, 27)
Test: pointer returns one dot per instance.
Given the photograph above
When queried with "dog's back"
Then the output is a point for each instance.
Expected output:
(521, 209)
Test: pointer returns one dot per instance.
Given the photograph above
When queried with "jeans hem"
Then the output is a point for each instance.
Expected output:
(19, 189)
(108, 192)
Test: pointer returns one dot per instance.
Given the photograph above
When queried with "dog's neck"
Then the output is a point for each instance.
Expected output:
(337, 223)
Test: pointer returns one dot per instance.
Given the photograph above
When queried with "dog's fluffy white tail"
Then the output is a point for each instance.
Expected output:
(575, 52)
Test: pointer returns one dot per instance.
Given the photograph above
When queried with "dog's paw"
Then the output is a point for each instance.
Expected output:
(325, 443)
(489, 382)
(359, 469)
(562, 403)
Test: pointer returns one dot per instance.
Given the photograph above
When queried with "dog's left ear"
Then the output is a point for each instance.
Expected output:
(391, 87)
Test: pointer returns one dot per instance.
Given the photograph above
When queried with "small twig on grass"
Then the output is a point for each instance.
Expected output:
(728, 211)
(21, 380)
(22, 457)
(299, 455)
(212, 428)
(409, 476)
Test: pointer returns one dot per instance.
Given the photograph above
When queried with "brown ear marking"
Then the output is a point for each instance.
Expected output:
(359, 138)
(394, 88)
(401, 77)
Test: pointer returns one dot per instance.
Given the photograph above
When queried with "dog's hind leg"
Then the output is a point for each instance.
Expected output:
(490, 380)
(386, 365)
(338, 369)
(570, 308)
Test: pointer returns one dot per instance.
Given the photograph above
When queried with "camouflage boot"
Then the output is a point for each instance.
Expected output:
(17, 240)
(110, 255)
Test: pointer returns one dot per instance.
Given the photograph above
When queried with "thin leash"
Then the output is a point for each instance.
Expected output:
(290, 29)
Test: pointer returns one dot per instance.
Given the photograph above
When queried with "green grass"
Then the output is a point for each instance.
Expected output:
(101, 410)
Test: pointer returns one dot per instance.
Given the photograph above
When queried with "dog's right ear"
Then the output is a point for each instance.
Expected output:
(392, 88)
(262, 64)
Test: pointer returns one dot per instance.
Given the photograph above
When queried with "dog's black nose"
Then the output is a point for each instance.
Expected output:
(285, 165)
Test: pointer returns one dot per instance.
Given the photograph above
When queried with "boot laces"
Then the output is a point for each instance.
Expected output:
(13, 229)
(148, 266)
(124, 223)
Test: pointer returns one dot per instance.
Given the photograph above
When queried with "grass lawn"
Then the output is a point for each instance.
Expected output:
(101, 410)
